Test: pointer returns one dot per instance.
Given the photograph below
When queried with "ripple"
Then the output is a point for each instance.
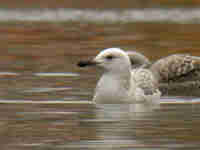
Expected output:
(51, 74)
(180, 100)
(174, 15)
(5, 101)
(40, 90)
(107, 144)
(8, 74)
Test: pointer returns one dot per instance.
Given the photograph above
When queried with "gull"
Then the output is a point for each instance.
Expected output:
(120, 83)
(176, 72)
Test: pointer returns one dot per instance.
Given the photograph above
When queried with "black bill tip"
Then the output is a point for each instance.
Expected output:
(85, 63)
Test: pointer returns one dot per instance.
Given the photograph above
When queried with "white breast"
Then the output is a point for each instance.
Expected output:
(111, 90)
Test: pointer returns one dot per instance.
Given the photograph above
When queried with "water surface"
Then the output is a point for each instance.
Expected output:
(40, 83)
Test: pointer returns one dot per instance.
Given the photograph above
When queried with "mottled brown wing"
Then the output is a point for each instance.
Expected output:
(176, 66)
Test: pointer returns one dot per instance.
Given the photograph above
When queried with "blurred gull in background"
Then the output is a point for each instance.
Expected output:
(174, 72)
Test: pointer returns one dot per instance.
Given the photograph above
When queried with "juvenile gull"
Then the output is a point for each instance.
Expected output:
(120, 83)
(176, 73)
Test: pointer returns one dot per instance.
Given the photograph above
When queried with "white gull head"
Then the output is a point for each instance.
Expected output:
(113, 60)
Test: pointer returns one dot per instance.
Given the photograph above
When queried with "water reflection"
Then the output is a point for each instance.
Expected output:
(77, 126)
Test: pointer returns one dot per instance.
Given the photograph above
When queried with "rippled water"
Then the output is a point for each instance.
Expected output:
(170, 15)
(45, 99)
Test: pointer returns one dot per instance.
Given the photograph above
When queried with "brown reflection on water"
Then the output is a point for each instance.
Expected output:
(39, 126)
(29, 48)
(36, 40)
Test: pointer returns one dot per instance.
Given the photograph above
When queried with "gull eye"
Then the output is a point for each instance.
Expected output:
(109, 57)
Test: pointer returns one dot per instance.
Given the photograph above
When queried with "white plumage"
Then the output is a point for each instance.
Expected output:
(119, 83)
